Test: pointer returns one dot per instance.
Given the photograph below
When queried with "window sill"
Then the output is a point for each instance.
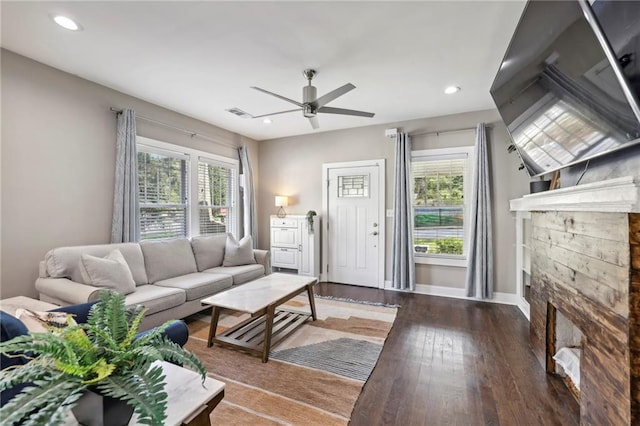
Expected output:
(458, 261)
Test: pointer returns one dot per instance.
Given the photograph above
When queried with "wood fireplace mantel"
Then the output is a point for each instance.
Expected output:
(585, 263)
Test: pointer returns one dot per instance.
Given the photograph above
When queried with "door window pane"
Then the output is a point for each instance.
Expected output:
(353, 186)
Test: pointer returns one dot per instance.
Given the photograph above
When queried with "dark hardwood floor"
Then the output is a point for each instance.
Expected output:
(456, 362)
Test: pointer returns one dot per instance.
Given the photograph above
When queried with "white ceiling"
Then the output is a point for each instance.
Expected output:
(199, 58)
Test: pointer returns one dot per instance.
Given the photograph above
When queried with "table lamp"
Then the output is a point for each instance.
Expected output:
(281, 201)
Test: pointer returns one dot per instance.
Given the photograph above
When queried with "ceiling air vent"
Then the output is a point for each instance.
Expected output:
(239, 112)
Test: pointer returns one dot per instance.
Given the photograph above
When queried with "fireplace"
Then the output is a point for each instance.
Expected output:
(585, 292)
(565, 350)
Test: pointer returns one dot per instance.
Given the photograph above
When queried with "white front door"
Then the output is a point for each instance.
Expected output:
(354, 229)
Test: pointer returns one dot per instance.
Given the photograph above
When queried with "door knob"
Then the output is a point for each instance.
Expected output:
(374, 233)
(375, 225)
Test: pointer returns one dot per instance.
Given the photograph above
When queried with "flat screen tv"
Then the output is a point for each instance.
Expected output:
(569, 83)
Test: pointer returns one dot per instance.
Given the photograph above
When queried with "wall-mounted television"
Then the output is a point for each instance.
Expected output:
(569, 83)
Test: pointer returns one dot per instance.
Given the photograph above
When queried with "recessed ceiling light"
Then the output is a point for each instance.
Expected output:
(267, 121)
(66, 23)
(451, 90)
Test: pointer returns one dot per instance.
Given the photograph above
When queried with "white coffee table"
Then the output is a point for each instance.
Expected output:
(260, 298)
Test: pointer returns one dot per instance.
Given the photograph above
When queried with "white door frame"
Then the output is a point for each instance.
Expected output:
(382, 259)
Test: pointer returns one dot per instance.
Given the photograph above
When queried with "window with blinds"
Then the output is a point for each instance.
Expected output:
(185, 192)
(216, 185)
(439, 179)
(163, 187)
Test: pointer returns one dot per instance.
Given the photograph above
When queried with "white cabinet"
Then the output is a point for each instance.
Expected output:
(294, 246)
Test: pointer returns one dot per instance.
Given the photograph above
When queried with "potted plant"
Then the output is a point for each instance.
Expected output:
(102, 355)
(310, 215)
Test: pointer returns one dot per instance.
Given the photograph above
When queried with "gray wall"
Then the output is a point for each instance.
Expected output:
(58, 151)
(293, 166)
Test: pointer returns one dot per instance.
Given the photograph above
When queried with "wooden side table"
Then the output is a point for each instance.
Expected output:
(189, 403)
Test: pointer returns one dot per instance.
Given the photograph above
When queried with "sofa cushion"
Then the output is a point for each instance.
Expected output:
(111, 272)
(155, 298)
(168, 259)
(64, 262)
(208, 250)
(240, 274)
(198, 285)
(238, 253)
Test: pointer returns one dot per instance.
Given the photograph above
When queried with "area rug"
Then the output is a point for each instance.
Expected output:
(313, 377)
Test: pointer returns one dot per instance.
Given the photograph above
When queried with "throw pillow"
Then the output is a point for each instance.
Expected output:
(237, 253)
(209, 250)
(111, 272)
(41, 322)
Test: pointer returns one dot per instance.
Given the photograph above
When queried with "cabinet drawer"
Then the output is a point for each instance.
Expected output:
(284, 223)
(284, 237)
(284, 258)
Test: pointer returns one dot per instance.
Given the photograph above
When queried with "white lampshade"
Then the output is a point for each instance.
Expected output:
(281, 201)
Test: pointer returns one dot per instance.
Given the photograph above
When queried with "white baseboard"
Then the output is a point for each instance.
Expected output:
(524, 307)
(458, 293)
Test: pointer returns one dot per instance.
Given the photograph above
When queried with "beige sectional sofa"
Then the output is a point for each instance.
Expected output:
(171, 277)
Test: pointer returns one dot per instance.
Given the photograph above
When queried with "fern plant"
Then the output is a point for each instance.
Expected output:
(102, 355)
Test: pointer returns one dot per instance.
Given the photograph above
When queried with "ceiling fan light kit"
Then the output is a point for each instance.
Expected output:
(311, 105)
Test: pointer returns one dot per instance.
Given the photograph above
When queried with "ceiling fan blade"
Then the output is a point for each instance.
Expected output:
(325, 99)
(276, 113)
(329, 110)
(277, 96)
(314, 122)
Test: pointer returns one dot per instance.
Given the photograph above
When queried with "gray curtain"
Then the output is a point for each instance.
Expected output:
(403, 274)
(248, 197)
(479, 280)
(125, 226)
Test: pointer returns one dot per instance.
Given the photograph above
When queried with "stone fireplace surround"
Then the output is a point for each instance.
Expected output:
(586, 265)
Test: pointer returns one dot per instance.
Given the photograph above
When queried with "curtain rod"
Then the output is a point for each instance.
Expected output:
(171, 126)
(439, 132)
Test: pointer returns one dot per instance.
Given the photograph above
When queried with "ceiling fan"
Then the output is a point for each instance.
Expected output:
(312, 104)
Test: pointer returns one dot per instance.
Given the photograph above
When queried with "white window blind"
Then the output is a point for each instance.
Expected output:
(439, 205)
(163, 187)
(438, 182)
(185, 192)
(217, 185)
